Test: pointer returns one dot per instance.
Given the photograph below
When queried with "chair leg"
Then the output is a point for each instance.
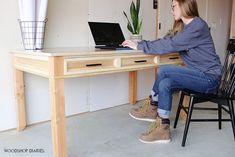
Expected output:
(231, 109)
(190, 110)
(179, 109)
(219, 115)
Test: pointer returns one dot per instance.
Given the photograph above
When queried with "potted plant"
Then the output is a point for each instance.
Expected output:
(134, 23)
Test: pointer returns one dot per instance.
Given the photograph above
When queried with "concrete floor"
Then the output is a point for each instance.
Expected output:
(113, 133)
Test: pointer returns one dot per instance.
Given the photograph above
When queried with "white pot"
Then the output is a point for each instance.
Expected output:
(136, 38)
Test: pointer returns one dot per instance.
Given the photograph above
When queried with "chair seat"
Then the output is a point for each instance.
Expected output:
(214, 97)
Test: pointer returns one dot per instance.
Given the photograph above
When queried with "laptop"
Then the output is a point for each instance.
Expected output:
(107, 35)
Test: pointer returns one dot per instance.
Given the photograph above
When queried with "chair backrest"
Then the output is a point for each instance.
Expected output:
(227, 85)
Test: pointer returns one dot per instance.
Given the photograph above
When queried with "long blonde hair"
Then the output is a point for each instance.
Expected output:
(189, 9)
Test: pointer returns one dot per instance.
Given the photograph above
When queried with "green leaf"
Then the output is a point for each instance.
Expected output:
(129, 26)
(134, 17)
(139, 27)
(137, 7)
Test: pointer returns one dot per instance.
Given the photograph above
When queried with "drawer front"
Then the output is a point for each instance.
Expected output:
(94, 65)
(87, 65)
(168, 59)
(135, 61)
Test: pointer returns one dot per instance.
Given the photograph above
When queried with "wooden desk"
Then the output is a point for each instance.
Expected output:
(58, 64)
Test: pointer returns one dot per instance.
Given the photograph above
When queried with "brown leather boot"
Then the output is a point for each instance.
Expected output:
(157, 133)
(146, 112)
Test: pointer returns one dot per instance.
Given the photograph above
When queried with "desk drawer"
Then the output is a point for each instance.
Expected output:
(87, 65)
(133, 61)
(168, 59)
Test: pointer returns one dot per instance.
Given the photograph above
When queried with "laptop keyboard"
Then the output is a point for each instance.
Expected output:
(113, 47)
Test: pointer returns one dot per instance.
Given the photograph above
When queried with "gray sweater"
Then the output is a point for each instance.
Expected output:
(195, 45)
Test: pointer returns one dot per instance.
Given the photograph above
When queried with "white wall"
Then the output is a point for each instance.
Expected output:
(9, 38)
(67, 27)
(219, 19)
(202, 8)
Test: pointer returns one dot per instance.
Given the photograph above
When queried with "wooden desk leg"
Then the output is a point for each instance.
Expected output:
(183, 115)
(20, 99)
(155, 71)
(58, 117)
(132, 87)
(56, 84)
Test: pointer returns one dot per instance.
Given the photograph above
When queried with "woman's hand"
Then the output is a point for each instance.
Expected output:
(129, 43)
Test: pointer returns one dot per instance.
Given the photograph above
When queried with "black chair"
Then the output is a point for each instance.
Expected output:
(223, 98)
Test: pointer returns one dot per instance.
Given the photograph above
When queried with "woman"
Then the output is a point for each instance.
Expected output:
(191, 37)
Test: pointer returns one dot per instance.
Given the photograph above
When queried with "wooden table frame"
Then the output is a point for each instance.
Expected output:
(58, 64)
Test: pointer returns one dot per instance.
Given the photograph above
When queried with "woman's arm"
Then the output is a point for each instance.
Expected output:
(193, 34)
(184, 40)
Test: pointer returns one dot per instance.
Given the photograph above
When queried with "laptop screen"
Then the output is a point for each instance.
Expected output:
(106, 33)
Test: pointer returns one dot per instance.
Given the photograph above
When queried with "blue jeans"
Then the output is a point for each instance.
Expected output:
(172, 78)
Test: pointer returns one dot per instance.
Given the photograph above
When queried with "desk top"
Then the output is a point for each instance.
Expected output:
(76, 51)
(87, 61)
